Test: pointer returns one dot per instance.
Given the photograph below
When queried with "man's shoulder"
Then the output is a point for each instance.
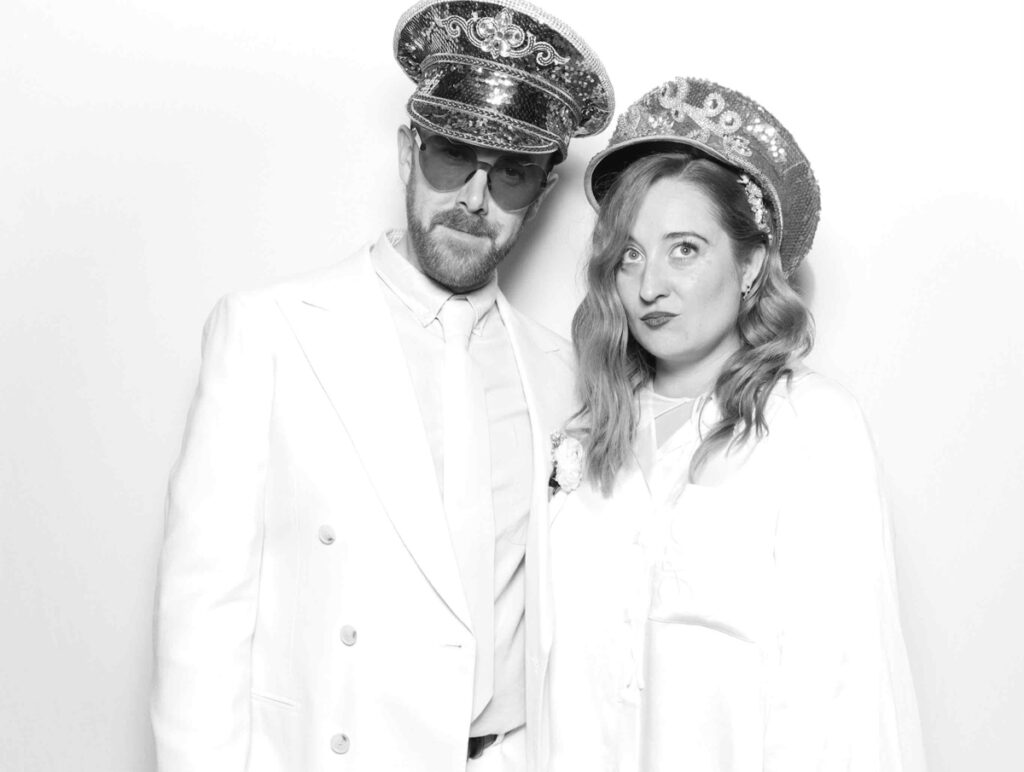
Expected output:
(316, 285)
(547, 363)
(535, 334)
(325, 277)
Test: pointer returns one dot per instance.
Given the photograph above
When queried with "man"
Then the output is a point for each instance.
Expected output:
(365, 466)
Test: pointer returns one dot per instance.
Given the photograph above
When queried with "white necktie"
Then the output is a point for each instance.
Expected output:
(467, 487)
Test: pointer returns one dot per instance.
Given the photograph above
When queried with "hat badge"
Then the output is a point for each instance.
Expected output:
(710, 118)
(500, 37)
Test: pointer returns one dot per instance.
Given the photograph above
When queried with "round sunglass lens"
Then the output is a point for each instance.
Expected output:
(446, 165)
(515, 185)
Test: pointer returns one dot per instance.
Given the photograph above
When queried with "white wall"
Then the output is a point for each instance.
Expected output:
(154, 155)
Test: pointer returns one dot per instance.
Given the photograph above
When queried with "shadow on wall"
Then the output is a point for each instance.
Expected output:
(803, 282)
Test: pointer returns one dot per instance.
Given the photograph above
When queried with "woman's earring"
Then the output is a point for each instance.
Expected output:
(745, 292)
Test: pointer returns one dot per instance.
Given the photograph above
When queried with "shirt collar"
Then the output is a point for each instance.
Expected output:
(419, 293)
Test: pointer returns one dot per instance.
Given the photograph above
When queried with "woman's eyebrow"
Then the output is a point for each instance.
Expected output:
(682, 234)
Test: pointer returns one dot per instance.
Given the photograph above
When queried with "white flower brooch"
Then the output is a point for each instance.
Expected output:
(567, 457)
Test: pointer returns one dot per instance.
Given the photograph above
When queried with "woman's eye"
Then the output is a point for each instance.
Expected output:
(631, 255)
(684, 249)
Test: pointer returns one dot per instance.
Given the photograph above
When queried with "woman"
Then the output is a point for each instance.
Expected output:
(722, 581)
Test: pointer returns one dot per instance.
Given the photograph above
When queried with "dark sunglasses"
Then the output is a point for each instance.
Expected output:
(512, 182)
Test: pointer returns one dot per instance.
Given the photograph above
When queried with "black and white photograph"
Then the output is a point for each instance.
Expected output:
(511, 386)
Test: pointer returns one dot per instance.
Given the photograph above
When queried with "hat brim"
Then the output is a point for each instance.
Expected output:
(476, 128)
(605, 167)
(689, 115)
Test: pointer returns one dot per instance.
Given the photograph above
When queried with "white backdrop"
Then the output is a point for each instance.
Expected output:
(154, 155)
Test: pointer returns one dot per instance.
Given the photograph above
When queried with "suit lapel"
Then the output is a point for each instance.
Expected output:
(346, 332)
(531, 371)
(547, 412)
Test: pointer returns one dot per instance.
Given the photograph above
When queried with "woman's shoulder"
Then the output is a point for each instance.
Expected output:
(816, 403)
(818, 431)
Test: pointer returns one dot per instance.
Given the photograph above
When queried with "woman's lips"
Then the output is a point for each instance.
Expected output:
(657, 319)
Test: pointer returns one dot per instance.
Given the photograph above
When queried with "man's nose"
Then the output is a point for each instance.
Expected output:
(474, 194)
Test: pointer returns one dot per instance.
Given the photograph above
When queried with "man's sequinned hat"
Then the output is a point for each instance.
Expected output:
(731, 128)
(501, 74)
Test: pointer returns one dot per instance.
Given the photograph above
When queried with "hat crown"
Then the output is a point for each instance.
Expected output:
(501, 74)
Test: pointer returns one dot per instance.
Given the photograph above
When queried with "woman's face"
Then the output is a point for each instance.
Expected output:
(679, 281)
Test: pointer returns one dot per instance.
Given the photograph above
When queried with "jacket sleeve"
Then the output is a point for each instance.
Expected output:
(841, 696)
(209, 567)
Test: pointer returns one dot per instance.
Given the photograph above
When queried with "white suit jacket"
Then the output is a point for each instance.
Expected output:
(310, 614)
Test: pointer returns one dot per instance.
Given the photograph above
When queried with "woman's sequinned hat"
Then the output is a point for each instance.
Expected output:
(501, 74)
(730, 128)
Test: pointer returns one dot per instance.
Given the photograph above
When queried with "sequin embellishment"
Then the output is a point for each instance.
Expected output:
(769, 137)
(711, 118)
(756, 200)
(500, 37)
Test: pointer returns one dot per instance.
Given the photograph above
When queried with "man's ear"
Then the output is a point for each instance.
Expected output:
(406, 148)
(552, 181)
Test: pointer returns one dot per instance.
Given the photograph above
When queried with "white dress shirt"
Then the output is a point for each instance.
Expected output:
(746, 626)
(415, 302)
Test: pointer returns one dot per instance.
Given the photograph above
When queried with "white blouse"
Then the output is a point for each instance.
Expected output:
(746, 626)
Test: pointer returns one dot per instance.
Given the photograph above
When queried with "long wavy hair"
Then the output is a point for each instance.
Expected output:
(774, 326)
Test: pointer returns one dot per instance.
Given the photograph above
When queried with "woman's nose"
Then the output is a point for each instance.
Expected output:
(653, 284)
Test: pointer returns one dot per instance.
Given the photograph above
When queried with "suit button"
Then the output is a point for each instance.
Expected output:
(340, 743)
(348, 635)
(326, 534)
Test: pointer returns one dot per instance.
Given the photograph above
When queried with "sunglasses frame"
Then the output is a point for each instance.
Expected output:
(421, 143)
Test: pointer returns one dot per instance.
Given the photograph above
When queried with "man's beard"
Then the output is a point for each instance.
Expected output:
(452, 265)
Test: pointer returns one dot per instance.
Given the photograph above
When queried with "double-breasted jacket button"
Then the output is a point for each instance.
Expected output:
(340, 743)
(348, 635)
(326, 534)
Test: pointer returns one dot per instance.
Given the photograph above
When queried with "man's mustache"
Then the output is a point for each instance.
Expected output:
(458, 220)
